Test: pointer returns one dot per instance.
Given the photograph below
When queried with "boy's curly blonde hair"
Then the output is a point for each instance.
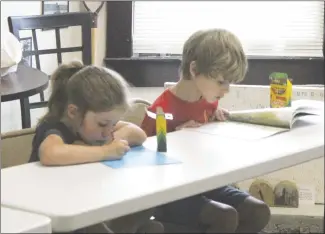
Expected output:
(216, 52)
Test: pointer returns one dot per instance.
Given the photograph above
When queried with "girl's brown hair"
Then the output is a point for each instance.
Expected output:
(90, 88)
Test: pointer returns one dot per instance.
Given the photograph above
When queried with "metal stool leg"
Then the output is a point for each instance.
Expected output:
(42, 96)
(25, 113)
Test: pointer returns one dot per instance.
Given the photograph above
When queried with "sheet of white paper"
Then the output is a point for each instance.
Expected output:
(306, 195)
(238, 130)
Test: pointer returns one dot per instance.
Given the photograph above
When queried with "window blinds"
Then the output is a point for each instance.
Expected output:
(277, 28)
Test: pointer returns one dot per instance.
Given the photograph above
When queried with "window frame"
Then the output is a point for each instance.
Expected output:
(283, 45)
(120, 29)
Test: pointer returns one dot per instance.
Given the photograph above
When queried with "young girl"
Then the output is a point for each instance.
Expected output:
(85, 105)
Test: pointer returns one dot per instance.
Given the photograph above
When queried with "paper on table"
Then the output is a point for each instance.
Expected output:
(306, 195)
(238, 130)
(141, 156)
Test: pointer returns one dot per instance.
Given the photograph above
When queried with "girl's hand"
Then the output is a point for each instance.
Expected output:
(189, 124)
(116, 149)
(113, 149)
(221, 114)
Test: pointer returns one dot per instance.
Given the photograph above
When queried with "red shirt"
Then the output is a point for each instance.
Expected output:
(200, 111)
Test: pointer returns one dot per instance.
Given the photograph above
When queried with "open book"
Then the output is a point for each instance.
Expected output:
(279, 117)
(259, 123)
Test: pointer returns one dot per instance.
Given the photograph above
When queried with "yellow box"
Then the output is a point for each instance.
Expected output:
(280, 90)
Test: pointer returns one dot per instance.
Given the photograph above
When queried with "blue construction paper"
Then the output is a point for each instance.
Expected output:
(141, 156)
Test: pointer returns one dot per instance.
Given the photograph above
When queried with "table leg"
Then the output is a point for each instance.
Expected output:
(42, 97)
(25, 113)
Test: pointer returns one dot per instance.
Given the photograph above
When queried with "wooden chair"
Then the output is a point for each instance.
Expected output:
(168, 85)
(16, 147)
(137, 111)
(55, 22)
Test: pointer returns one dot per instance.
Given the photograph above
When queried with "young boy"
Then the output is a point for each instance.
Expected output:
(211, 60)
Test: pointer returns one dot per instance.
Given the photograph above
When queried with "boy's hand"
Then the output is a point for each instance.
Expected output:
(221, 114)
(189, 124)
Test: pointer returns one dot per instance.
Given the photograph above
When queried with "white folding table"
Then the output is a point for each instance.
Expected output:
(82, 195)
(16, 221)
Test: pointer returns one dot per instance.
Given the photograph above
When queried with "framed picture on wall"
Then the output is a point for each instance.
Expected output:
(26, 44)
(55, 7)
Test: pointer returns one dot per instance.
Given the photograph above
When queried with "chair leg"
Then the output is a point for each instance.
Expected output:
(42, 96)
(25, 113)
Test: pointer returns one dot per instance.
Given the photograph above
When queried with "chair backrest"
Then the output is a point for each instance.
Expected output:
(137, 111)
(56, 22)
(16, 147)
(169, 84)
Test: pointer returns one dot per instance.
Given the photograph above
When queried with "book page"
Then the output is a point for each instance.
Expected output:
(276, 117)
(306, 107)
(238, 130)
(312, 107)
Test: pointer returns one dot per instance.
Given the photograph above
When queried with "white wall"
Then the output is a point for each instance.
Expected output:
(69, 37)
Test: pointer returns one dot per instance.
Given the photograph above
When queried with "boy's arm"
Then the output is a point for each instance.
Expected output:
(129, 132)
(220, 114)
(189, 124)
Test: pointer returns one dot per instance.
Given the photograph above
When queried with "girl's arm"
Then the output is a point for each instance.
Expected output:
(133, 134)
(54, 152)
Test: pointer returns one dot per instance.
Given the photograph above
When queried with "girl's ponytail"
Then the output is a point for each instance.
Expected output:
(58, 99)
